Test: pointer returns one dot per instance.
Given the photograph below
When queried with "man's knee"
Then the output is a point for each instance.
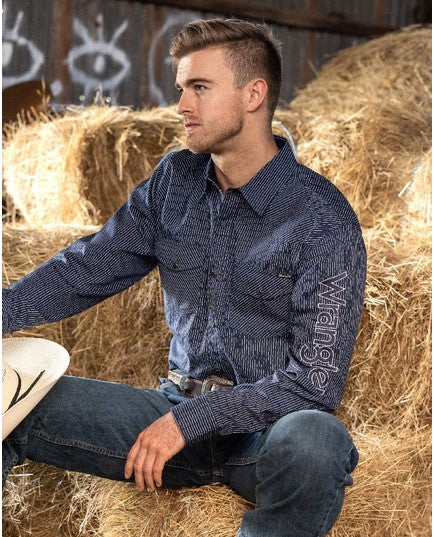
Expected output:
(313, 440)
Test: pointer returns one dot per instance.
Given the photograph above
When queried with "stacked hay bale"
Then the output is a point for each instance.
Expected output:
(365, 124)
(80, 167)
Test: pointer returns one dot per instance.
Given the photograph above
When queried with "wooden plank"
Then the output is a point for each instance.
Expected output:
(379, 12)
(310, 46)
(146, 38)
(158, 56)
(285, 17)
(62, 23)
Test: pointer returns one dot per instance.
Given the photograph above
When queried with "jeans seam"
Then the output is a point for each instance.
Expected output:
(216, 470)
(187, 467)
(18, 441)
(242, 462)
(75, 443)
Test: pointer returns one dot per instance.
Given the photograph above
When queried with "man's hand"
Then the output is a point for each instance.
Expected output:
(154, 446)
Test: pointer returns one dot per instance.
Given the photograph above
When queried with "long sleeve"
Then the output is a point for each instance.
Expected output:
(326, 302)
(90, 270)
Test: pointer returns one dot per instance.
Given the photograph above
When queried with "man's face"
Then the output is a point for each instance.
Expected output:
(213, 108)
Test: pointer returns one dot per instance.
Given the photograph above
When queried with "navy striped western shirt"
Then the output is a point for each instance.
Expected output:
(262, 286)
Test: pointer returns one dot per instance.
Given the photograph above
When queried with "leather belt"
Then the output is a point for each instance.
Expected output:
(194, 387)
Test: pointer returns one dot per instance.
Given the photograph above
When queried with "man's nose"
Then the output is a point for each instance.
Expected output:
(184, 105)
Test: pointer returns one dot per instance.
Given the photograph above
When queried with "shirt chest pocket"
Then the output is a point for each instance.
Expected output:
(182, 272)
(260, 302)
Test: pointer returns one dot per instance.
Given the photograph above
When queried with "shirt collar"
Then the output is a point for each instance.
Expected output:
(262, 187)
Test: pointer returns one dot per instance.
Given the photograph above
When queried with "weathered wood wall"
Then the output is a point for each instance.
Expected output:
(121, 46)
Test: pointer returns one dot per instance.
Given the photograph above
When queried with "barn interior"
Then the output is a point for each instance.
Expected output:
(89, 111)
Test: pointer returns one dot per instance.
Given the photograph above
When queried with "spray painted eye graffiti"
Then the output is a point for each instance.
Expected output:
(97, 64)
(15, 44)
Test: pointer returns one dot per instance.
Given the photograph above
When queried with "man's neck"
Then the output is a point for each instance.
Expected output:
(235, 168)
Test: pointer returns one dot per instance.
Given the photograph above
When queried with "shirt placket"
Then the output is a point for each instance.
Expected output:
(222, 254)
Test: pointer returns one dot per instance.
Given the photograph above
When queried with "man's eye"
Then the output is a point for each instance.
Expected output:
(179, 90)
(199, 88)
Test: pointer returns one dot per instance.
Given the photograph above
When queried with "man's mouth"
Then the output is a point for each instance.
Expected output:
(190, 126)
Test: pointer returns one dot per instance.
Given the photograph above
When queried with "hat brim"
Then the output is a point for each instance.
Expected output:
(29, 356)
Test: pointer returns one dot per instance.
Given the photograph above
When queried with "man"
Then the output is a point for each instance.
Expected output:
(263, 270)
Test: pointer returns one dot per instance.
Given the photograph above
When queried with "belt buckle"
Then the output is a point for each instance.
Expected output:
(186, 384)
(213, 383)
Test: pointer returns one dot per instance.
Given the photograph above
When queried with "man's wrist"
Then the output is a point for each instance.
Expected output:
(195, 419)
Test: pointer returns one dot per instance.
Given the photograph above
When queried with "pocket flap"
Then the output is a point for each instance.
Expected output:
(254, 281)
(179, 256)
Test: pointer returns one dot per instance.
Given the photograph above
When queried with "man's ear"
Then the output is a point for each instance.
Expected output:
(257, 93)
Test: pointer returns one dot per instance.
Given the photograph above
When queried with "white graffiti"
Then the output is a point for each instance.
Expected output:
(97, 64)
(12, 40)
(56, 87)
(155, 92)
(103, 51)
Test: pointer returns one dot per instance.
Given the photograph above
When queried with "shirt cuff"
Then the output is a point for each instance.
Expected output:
(15, 314)
(196, 418)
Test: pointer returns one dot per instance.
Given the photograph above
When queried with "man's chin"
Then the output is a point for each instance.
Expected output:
(197, 147)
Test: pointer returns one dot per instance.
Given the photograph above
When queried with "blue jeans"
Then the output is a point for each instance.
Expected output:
(295, 471)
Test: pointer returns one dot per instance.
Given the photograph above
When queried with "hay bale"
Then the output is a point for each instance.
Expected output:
(79, 168)
(123, 338)
(416, 222)
(365, 122)
(389, 380)
(394, 472)
(86, 506)
(387, 385)
(41, 501)
(123, 510)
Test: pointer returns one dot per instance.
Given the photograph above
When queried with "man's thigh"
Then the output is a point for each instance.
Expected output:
(89, 426)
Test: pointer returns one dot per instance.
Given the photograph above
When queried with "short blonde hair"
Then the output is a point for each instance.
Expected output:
(252, 49)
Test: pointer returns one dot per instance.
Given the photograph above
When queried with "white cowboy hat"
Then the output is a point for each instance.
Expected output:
(30, 368)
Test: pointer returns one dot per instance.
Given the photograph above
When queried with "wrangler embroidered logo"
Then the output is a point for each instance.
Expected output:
(320, 356)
